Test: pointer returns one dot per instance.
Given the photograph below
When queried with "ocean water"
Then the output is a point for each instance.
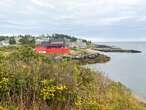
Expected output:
(128, 68)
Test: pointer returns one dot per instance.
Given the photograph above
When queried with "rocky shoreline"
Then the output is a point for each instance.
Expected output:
(117, 50)
(105, 48)
(89, 58)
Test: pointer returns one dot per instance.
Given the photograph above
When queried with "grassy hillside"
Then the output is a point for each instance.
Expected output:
(28, 82)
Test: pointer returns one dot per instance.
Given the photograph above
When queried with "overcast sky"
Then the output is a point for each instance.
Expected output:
(99, 20)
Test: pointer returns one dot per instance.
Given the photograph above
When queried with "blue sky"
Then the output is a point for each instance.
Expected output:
(98, 20)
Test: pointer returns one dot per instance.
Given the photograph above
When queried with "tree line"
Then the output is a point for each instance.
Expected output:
(31, 40)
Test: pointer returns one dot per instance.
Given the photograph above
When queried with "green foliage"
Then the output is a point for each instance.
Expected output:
(27, 39)
(3, 38)
(1, 57)
(28, 82)
(63, 36)
(12, 40)
(4, 87)
(50, 91)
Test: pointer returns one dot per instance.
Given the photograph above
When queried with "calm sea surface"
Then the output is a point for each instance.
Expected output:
(128, 68)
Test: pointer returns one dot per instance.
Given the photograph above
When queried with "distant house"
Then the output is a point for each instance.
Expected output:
(67, 42)
(39, 41)
(52, 46)
(81, 44)
(78, 44)
(4, 43)
(73, 45)
(57, 44)
(44, 44)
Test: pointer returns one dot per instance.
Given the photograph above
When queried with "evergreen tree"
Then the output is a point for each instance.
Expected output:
(12, 40)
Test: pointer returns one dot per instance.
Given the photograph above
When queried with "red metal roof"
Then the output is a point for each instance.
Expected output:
(52, 50)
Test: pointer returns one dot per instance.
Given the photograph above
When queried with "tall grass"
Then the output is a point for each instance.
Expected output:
(28, 82)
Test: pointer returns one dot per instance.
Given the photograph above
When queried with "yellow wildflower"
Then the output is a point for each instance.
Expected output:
(61, 88)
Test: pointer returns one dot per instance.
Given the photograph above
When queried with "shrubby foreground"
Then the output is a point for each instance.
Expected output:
(28, 82)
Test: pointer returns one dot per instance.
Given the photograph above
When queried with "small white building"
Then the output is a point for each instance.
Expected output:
(81, 44)
(78, 44)
(38, 41)
(4, 43)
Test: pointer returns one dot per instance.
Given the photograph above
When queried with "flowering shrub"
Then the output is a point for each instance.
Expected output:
(26, 84)
(1, 108)
(4, 83)
(4, 87)
(50, 91)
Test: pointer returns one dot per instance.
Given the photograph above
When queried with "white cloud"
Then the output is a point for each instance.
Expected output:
(142, 18)
(72, 16)
(43, 3)
(113, 20)
(129, 2)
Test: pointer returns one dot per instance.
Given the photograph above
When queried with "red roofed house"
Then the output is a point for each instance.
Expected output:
(57, 47)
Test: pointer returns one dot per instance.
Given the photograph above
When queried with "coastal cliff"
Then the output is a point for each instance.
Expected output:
(28, 82)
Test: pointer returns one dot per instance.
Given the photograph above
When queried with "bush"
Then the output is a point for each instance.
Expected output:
(28, 82)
